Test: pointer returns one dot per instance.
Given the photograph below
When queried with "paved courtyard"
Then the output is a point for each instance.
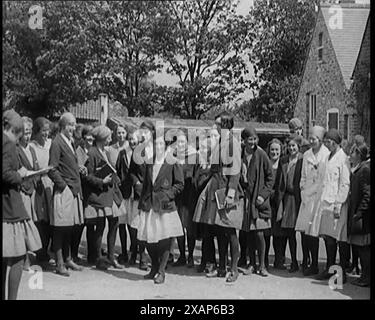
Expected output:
(183, 283)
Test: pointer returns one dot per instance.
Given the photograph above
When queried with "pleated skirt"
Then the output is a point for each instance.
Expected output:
(154, 227)
(114, 211)
(132, 213)
(19, 238)
(67, 209)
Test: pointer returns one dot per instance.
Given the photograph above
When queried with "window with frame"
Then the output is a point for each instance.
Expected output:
(320, 47)
(333, 119)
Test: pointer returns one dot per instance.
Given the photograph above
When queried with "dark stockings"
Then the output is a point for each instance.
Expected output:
(76, 239)
(313, 247)
(62, 237)
(44, 230)
(111, 236)
(123, 239)
(292, 241)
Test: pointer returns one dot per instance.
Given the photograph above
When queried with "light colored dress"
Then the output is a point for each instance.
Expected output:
(154, 226)
(312, 175)
(335, 192)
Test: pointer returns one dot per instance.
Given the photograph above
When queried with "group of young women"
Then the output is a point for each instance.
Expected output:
(158, 190)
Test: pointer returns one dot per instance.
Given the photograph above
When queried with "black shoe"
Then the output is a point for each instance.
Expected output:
(77, 260)
(151, 275)
(311, 271)
(159, 278)
(293, 268)
(143, 266)
(123, 259)
(361, 282)
(180, 262)
(91, 261)
(190, 263)
(133, 260)
(221, 273)
(242, 263)
(201, 268)
(325, 275)
(279, 266)
(101, 264)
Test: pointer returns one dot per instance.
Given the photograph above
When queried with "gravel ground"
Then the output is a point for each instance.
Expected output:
(183, 283)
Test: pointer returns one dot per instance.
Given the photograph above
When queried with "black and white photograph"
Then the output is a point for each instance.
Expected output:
(186, 150)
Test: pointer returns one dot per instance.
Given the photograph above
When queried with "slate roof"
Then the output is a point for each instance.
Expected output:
(347, 41)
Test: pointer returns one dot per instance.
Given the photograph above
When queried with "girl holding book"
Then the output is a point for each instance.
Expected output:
(104, 199)
(224, 177)
(159, 221)
(19, 233)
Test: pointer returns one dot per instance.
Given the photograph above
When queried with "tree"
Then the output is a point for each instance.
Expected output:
(121, 35)
(283, 30)
(45, 70)
(203, 43)
(84, 48)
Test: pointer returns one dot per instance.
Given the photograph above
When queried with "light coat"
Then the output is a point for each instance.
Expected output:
(312, 175)
(335, 190)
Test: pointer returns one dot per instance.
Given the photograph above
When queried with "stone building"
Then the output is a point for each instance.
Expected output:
(335, 88)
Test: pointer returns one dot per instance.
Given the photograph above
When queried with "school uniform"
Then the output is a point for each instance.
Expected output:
(257, 180)
(359, 206)
(224, 174)
(159, 218)
(19, 232)
(114, 150)
(201, 176)
(67, 191)
(102, 200)
(359, 226)
(126, 187)
(288, 193)
(27, 159)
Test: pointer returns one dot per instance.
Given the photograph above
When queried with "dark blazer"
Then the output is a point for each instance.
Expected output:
(123, 172)
(137, 173)
(65, 171)
(13, 208)
(98, 194)
(28, 185)
(359, 198)
(260, 182)
(161, 195)
(280, 181)
(186, 197)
